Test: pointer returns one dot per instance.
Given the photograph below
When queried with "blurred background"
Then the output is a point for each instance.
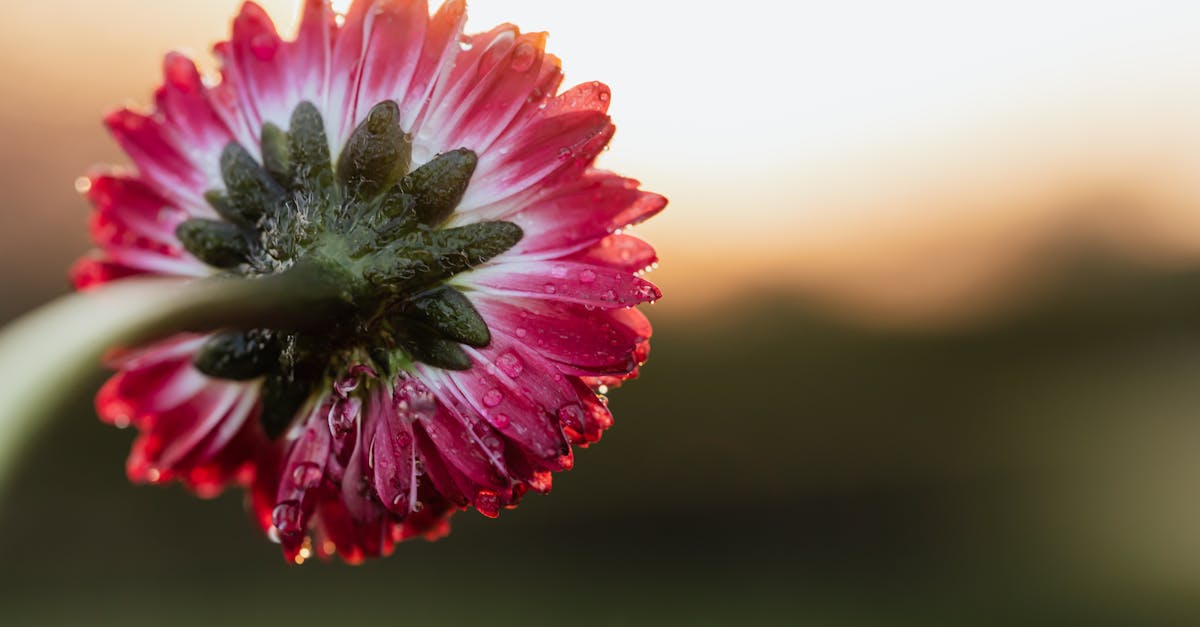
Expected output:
(928, 354)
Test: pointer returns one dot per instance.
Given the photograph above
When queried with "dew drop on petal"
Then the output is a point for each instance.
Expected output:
(286, 517)
(559, 271)
(501, 421)
(571, 414)
(549, 288)
(493, 397)
(488, 503)
(307, 475)
(587, 276)
(521, 332)
(510, 365)
(523, 57)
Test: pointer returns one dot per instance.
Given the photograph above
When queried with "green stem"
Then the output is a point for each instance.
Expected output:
(48, 354)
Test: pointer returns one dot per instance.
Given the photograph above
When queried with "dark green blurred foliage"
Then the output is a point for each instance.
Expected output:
(777, 467)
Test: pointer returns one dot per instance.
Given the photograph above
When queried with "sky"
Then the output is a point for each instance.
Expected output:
(891, 158)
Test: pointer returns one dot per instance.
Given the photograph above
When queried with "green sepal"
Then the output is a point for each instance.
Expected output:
(238, 355)
(308, 147)
(438, 352)
(440, 184)
(276, 155)
(377, 154)
(215, 242)
(449, 312)
(282, 398)
(220, 203)
(251, 190)
(426, 257)
(468, 246)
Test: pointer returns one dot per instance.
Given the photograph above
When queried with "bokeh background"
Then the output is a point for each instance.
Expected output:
(929, 352)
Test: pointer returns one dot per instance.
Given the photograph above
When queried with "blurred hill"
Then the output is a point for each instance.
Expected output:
(773, 466)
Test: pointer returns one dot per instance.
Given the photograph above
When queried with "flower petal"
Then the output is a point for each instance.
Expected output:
(559, 142)
(564, 281)
(393, 450)
(619, 251)
(257, 63)
(489, 84)
(582, 341)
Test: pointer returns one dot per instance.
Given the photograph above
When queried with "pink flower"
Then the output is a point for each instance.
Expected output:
(442, 191)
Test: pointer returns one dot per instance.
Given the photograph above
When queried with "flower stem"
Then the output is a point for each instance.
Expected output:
(48, 354)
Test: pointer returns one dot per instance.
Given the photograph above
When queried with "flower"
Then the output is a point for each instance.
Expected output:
(437, 195)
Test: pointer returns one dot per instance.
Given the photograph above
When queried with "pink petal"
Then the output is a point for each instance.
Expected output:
(393, 451)
(438, 55)
(596, 416)
(184, 101)
(581, 340)
(302, 474)
(310, 52)
(620, 251)
(508, 407)
(489, 84)
(395, 39)
(93, 271)
(538, 378)
(345, 73)
(540, 153)
(463, 437)
(578, 214)
(565, 281)
(151, 146)
(170, 438)
(136, 227)
(256, 62)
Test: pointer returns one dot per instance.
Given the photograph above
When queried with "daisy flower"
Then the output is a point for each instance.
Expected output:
(434, 193)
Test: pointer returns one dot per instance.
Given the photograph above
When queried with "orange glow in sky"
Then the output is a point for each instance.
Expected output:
(801, 143)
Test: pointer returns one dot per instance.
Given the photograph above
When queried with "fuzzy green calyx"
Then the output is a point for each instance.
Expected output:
(365, 222)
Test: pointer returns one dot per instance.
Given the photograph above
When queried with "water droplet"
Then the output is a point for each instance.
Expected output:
(549, 288)
(264, 46)
(307, 475)
(493, 397)
(571, 414)
(602, 389)
(559, 271)
(286, 517)
(523, 57)
(587, 276)
(488, 503)
(564, 153)
(501, 421)
(521, 332)
(510, 365)
(83, 185)
(404, 439)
